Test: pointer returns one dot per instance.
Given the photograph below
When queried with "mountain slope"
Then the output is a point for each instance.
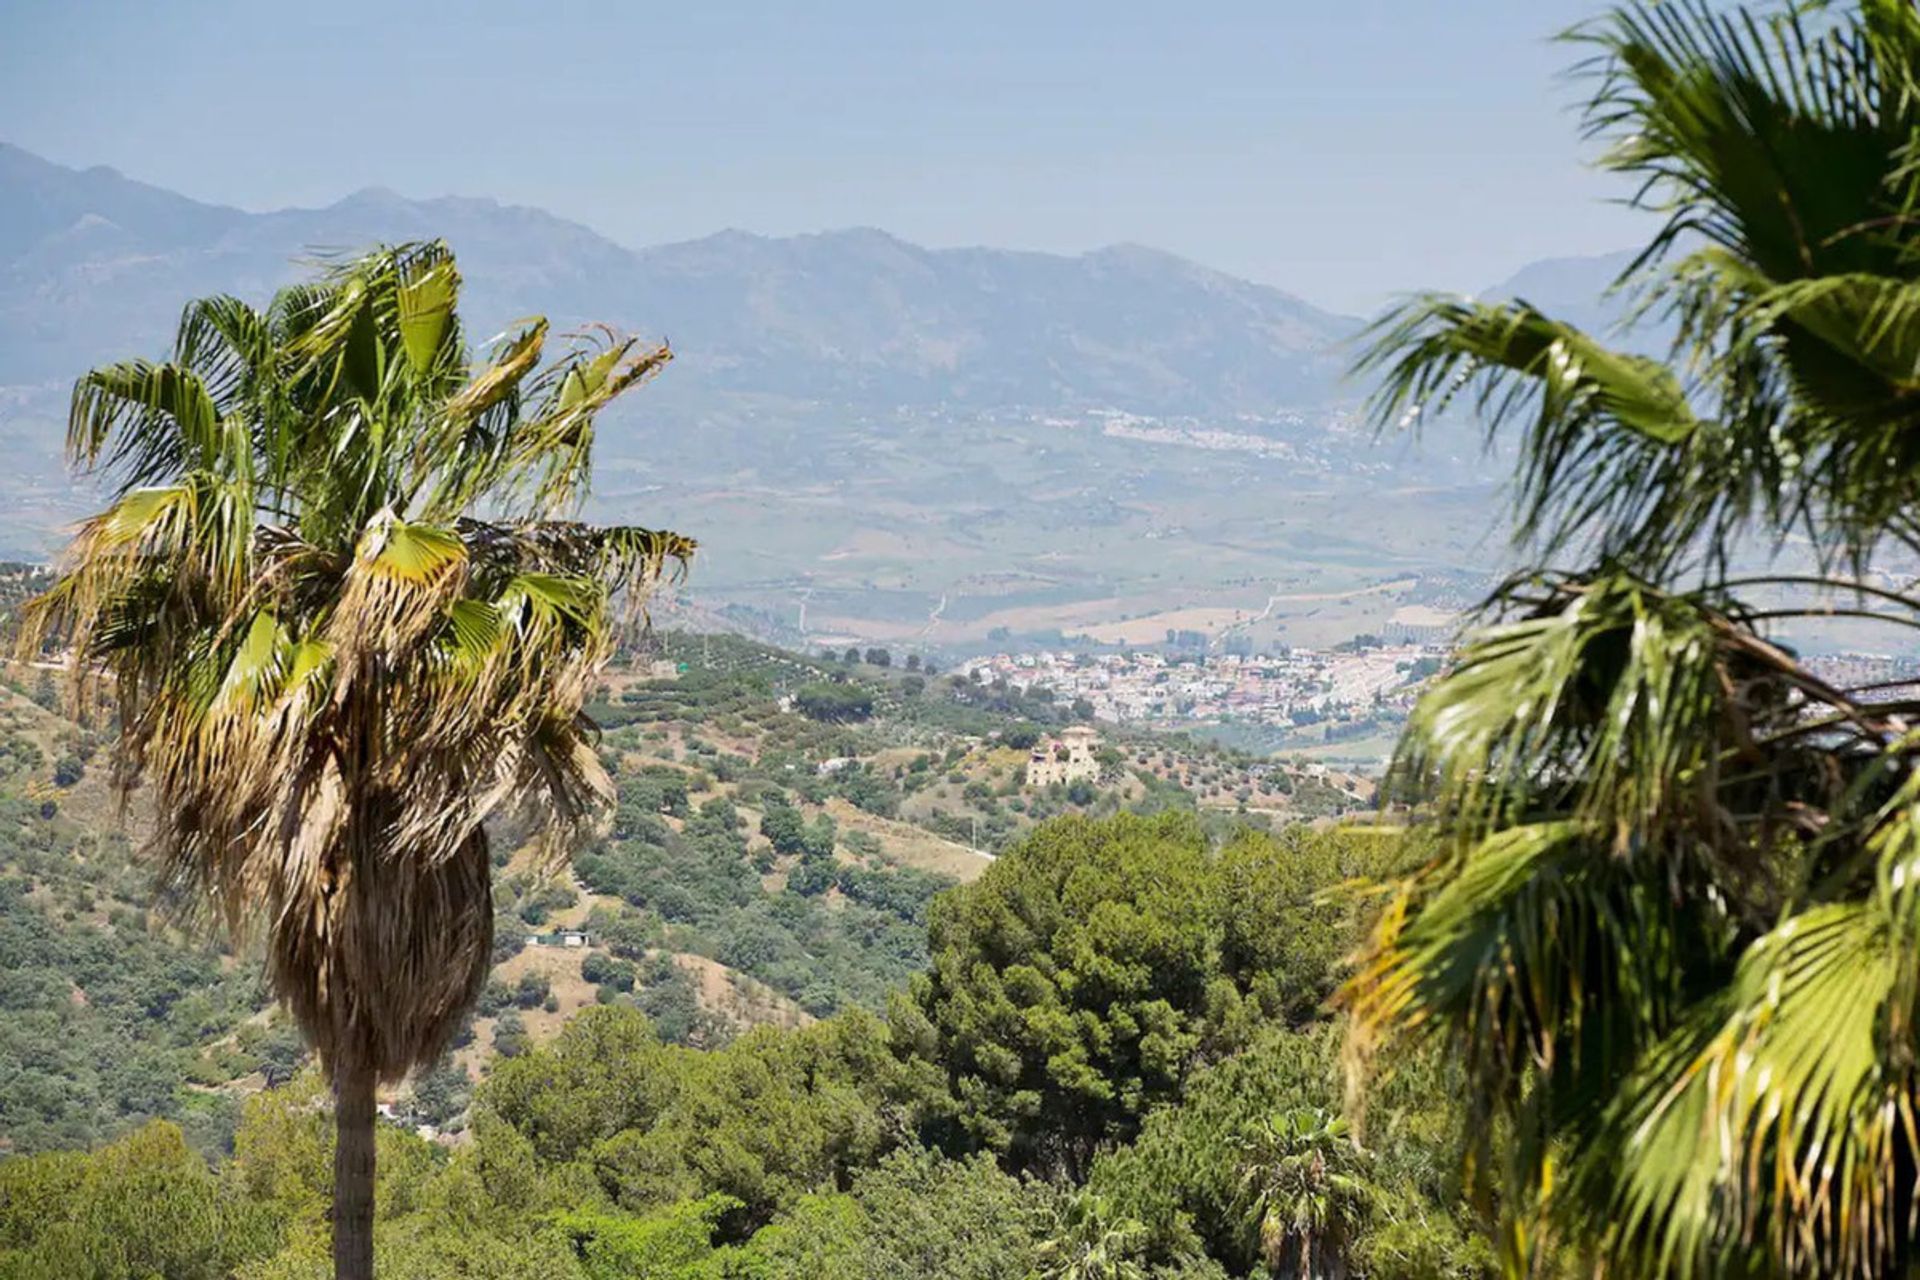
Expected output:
(92, 263)
(48, 207)
(873, 440)
(864, 316)
(1578, 291)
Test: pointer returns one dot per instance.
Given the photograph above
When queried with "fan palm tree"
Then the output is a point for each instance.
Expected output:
(1302, 1193)
(344, 618)
(1093, 1241)
(1673, 931)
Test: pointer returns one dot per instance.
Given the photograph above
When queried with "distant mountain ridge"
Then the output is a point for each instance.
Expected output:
(872, 440)
(94, 264)
(1580, 291)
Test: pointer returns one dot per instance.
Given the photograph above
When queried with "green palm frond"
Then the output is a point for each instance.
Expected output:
(425, 297)
(229, 346)
(1784, 141)
(1612, 452)
(550, 457)
(1092, 1241)
(1784, 1077)
(1771, 134)
(1300, 1191)
(150, 421)
(1673, 927)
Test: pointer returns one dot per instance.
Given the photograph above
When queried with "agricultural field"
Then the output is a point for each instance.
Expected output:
(957, 530)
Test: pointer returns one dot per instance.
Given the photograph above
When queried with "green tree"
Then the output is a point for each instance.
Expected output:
(330, 666)
(1185, 1177)
(1288, 925)
(605, 1073)
(1181, 1179)
(1303, 1192)
(947, 1219)
(784, 828)
(510, 1038)
(68, 770)
(833, 703)
(604, 970)
(145, 1206)
(1021, 737)
(1673, 932)
(1073, 985)
(667, 1245)
(766, 1119)
(441, 1094)
(823, 1235)
(532, 989)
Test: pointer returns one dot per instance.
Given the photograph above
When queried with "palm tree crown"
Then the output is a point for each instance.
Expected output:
(346, 618)
(1674, 929)
(1302, 1193)
(1094, 1241)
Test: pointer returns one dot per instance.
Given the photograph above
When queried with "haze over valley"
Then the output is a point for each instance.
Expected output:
(876, 441)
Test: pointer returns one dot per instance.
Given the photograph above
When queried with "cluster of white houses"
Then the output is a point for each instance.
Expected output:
(1280, 689)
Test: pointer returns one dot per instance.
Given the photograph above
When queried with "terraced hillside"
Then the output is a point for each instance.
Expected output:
(782, 823)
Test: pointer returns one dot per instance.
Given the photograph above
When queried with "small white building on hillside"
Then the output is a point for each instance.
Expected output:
(560, 938)
(1066, 758)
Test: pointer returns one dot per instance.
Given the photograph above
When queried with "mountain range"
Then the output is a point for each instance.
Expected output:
(93, 263)
(872, 438)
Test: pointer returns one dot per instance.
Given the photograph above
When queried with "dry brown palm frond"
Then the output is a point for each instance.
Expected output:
(329, 671)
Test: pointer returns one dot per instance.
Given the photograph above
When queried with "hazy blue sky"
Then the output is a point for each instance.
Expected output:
(1344, 149)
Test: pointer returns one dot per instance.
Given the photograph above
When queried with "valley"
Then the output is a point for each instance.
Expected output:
(1053, 445)
(659, 750)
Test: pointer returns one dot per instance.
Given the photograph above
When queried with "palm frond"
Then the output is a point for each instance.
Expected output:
(150, 421)
(1784, 1078)
(1673, 930)
(1613, 457)
(329, 671)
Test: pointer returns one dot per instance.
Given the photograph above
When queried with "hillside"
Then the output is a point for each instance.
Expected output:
(782, 823)
(1113, 1021)
(864, 977)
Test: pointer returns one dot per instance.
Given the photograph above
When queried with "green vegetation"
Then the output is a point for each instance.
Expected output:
(1671, 938)
(834, 703)
(1074, 986)
(699, 888)
(963, 1134)
(721, 852)
(75, 1071)
(107, 1017)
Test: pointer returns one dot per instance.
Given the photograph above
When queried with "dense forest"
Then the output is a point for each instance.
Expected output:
(1117, 1061)
(811, 1025)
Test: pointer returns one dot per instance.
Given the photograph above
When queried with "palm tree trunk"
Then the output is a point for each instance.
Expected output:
(353, 1172)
